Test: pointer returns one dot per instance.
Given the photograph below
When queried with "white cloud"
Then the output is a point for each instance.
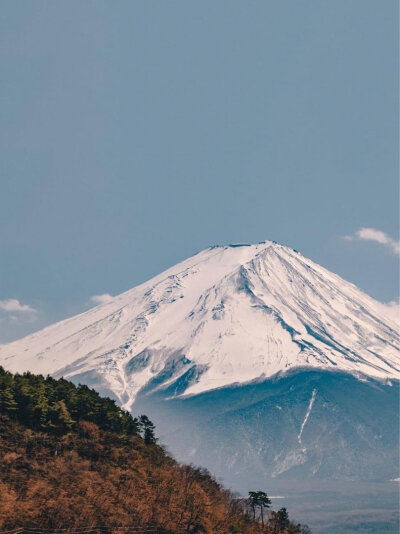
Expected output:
(14, 306)
(372, 234)
(14, 312)
(101, 299)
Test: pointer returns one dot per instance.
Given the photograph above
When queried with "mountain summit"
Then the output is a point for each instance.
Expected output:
(228, 315)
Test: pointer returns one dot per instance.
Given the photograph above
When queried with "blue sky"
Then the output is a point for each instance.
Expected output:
(135, 133)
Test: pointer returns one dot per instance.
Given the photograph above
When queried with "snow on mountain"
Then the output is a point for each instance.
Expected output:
(226, 315)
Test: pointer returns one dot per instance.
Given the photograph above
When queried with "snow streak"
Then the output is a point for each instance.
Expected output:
(310, 405)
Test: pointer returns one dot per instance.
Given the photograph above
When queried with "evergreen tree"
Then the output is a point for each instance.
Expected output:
(253, 502)
(57, 405)
(60, 418)
(147, 430)
(281, 520)
(8, 404)
(259, 499)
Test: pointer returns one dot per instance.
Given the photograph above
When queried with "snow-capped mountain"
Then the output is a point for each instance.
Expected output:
(228, 315)
(252, 361)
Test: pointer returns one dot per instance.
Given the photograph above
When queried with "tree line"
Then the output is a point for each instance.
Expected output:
(57, 406)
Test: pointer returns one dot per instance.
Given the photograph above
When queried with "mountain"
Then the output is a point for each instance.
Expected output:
(252, 360)
(226, 315)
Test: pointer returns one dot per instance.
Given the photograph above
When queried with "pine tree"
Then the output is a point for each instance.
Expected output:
(147, 430)
(60, 418)
(253, 502)
(281, 520)
(259, 499)
(57, 405)
(8, 404)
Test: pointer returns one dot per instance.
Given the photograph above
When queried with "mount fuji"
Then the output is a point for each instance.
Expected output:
(278, 367)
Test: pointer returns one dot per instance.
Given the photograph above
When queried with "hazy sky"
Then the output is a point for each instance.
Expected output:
(135, 133)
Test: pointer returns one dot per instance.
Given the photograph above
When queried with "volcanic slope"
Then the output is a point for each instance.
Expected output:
(228, 315)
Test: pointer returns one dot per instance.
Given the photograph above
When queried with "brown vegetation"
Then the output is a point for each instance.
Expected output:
(91, 477)
(59, 470)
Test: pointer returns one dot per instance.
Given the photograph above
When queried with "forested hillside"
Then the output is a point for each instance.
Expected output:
(71, 459)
